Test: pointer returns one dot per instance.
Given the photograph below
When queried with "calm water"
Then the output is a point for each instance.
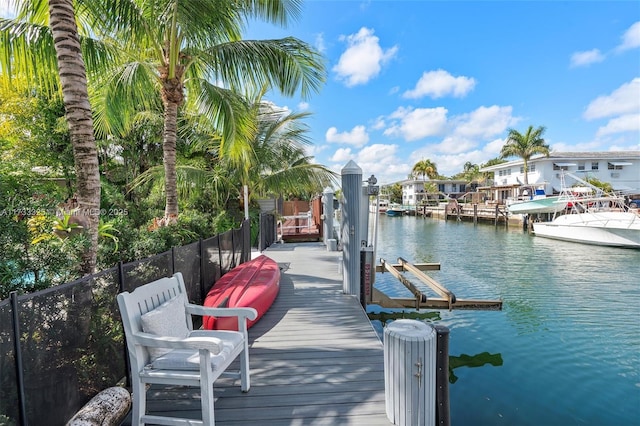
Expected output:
(565, 349)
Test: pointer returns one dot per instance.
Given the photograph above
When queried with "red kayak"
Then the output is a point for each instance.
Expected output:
(252, 284)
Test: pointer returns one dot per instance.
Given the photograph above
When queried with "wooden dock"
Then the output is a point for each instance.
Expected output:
(315, 358)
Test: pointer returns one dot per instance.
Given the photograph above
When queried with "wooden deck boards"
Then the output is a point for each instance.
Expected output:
(315, 359)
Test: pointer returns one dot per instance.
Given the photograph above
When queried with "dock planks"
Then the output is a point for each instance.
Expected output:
(315, 358)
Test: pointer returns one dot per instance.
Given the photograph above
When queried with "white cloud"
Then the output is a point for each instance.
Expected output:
(379, 123)
(625, 99)
(454, 145)
(484, 122)
(381, 160)
(358, 136)
(582, 59)
(363, 58)
(625, 123)
(303, 106)
(376, 153)
(439, 83)
(319, 43)
(417, 123)
(342, 155)
(631, 38)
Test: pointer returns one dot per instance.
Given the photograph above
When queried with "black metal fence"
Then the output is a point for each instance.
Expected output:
(61, 346)
(268, 233)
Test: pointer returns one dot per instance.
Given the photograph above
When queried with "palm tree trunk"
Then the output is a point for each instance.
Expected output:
(169, 149)
(78, 113)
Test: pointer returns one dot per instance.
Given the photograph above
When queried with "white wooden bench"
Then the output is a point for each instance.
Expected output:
(164, 349)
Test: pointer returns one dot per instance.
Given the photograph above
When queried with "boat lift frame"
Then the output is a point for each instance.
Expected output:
(447, 299)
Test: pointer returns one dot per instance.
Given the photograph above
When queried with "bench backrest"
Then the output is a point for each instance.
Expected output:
(142, 300)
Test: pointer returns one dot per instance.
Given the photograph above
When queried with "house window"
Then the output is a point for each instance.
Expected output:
(594, 165)
(580, 166)
(521, 169)
(454, 187)
(508, 172)
(441, 187)
(617, 166)
(561, 166)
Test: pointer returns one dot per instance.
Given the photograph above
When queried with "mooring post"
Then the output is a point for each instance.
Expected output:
(352, 194)
(410, 373)
(327, 221)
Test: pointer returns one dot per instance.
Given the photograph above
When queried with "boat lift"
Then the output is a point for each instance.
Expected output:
(447, 299)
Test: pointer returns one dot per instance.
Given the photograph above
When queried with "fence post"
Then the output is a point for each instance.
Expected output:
(22, 410)
(202, 267)
(127, 365)
(443, 417)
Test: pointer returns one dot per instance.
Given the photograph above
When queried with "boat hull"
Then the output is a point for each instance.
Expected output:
(393, 212)
(618, 229)
(537, 205)
(254, 284)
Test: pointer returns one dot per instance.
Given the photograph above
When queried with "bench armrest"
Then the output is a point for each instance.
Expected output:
(248, 313)
(210, 343)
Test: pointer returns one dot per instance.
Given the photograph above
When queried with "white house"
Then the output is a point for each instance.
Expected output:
(619, 168)
(414, 193)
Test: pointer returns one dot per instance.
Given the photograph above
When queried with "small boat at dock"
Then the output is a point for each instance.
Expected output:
(395, 210)
(379, 205)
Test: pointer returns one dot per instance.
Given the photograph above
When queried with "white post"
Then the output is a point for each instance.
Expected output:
(352, 197)
(246, 202)
(410, 373)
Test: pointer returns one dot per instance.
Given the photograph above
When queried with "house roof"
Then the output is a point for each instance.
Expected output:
(571, 156)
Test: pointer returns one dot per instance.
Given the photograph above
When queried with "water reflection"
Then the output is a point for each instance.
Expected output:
(566, 341)
(472, 361)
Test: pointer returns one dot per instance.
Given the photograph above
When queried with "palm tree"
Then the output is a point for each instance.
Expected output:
(177, 48)
(525, 146)
(278, 163)
(62, 34)
(471, 172)
(425, 168)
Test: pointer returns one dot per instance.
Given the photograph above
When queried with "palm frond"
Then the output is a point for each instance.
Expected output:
(288, 64)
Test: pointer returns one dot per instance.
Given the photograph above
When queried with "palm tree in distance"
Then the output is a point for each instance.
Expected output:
(525, 146)
(193, 51)
(425, 168)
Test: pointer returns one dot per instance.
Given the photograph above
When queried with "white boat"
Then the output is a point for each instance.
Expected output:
(395, 210)
(592, 217)
(538, 205)
(378, 205)
(605, 228)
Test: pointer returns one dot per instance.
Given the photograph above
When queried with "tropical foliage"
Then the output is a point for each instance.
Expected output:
(150, 63)
(426, 169)
(525, 146)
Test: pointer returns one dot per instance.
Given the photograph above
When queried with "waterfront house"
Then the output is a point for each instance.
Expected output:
(619, 168)
(415, 191)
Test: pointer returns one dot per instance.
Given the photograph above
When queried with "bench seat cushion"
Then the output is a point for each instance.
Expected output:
(167, 320)
(189, 359)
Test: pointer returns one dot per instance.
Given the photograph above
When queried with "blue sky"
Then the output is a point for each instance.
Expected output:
(444, 80)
